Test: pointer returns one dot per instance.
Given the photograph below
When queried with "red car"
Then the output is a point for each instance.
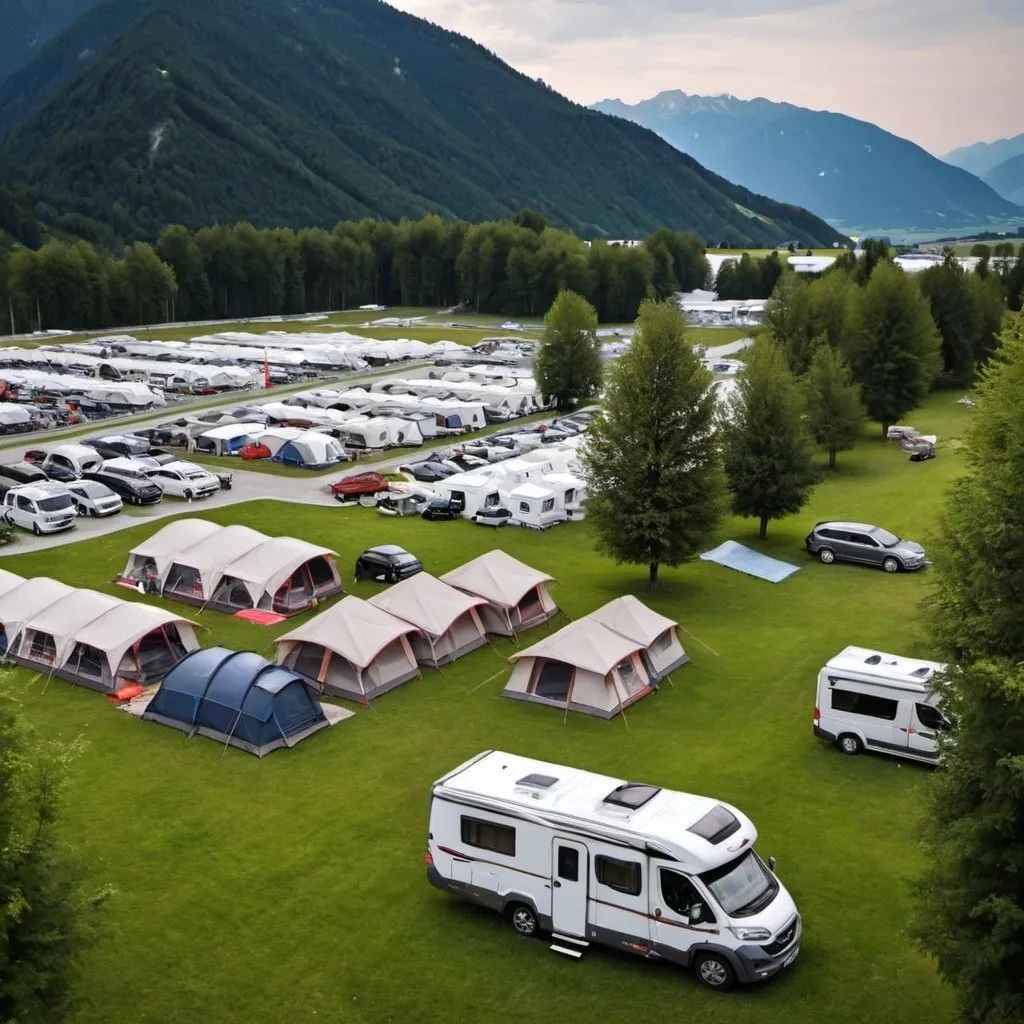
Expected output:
(357, 484)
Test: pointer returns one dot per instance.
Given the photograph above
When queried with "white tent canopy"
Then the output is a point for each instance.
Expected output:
(158, 552)
(631, 618)
(447, 619)
(266, 568)
(583, 667)
(9, 580)
(517, 595)
(353, 650)
(31, 597)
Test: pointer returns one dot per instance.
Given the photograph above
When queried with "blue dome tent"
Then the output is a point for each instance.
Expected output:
(237, 698)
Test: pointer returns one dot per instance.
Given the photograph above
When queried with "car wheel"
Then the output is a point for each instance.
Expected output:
(524, 920)
(827, 556)
(36, 530)
(187, 494)
(92, 512)
(359, 571)
(891, 565)
(714, 971)
(850, 744)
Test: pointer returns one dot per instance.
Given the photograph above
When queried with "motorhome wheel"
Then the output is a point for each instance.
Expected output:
(524, 920)
(849, 744)
(827, 555)
(715, 971)
(891, 565)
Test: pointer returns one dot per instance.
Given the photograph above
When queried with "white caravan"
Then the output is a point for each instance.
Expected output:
(535, 507)
(872, 701)
(478, 492)
(588, 858)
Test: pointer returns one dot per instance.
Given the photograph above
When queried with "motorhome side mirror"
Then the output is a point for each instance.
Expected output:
(696, 913)
(771, 864)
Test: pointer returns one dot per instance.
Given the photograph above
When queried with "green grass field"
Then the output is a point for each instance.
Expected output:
(294, 888)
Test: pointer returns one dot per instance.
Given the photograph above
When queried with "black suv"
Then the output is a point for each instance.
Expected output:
(388, 562)
(22, 473)
(133, 490)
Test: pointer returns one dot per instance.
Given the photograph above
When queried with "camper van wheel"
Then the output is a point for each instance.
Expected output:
(524, 920)
(827, 555)
(891, 565)
(715, 971)
(850, 744)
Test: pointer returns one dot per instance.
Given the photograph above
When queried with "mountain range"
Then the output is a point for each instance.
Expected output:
(148, 112)
(999, 164)
(857, 176)
(27, 25)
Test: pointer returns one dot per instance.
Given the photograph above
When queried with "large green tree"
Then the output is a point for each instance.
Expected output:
(970, 901)
(953, 309)
(655, 483)
(568, 364)
(835, 414)
(894, 347)
(767, 448)
(44, 912)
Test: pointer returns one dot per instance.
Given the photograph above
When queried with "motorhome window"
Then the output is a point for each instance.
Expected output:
(621, 875)
(678, 892)
(538, 781)
(931, 717)
(864, 704)
(718, 824)
(549, 504)
(486, 835)
(632, 795)
(569, 863)
(492, 501)
(524, 506)
(743, 886)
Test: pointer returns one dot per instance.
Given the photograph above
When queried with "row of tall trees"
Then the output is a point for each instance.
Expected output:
(513, 267)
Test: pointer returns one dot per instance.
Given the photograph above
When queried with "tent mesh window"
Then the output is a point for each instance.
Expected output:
(530, 605)
(306, 659)
(552, 680)
(184, 581)
(155, 654)
(231, 593)
(88, 663)
(41, 648)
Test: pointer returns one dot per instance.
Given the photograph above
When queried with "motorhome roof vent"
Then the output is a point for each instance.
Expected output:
(631, 795)
(874, 659)
(718, 824)
(923, 672)
(537, 781)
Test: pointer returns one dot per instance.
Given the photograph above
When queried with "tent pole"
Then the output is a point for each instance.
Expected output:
(227, 742)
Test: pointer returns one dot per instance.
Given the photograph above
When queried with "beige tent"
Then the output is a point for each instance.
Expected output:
(583, 667)
(9, 580)
(153, 557)
(353, 650)
(517, 596)
(448, 620)
(283, 573)
(194, 573)
(25, 601)
(631, 618)
(45, 638)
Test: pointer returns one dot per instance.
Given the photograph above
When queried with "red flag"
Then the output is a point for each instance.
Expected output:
(266, 369)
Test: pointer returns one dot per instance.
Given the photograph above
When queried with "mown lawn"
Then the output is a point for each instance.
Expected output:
(294, 888)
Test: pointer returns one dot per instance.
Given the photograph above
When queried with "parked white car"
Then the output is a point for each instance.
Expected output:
(184, 480)
(92, 498)
(42, 508)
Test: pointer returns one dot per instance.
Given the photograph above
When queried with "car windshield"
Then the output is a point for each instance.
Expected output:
(405, 559)
(743, 886)
(93, 489)
(885, 538)
(57, 503)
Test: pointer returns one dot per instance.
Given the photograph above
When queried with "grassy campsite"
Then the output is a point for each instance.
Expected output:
(268, 890)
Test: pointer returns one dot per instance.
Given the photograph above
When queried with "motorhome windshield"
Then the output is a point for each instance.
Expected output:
(743, 886)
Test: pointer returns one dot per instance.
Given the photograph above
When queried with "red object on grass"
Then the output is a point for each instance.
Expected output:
(128, 692)
(250, 452)
(360, 483)
(261, 618)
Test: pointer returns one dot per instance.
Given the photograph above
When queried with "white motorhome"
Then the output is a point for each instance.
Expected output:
(588, 858)
(74, 458)
(872, 701)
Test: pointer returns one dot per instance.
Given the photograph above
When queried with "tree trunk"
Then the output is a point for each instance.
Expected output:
(762, 531)
(885, 429)
(831, 458)
(652, 574)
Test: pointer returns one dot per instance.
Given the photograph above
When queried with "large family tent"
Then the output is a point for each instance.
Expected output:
(447, 620)
(353, 650)
(9, 580)
(631, 618)
(90, 638)
(517, 596)
(237, 698)
(234, 568)
(311, 450)
(583, 667)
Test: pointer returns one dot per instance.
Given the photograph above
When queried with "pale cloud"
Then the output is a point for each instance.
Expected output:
(940, 72)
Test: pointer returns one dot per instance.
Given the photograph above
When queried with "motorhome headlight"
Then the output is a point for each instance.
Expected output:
(747, 934)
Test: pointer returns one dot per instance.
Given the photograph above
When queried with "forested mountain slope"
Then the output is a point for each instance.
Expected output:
(26, 26)
(303, 113)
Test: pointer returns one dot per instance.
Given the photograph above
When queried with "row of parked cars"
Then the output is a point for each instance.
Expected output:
(46, 491)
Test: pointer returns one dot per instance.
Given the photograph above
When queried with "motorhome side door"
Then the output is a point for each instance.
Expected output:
(682, 914)
(570, 869)
(926, 722)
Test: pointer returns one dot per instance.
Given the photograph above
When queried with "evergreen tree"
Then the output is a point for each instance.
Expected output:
(44, 914)
(951, 300)
(787, 317)
(835, 414)
(767, 448)
(568, 365)
(970, 908)
(655, 482)
(894, 347)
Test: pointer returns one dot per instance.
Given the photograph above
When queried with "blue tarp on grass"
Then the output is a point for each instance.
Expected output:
(736, 556)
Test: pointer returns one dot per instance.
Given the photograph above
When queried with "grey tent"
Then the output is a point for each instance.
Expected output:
(631, 618)
(354, 650)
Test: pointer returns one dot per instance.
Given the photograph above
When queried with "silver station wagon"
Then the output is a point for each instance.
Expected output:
(859, 542)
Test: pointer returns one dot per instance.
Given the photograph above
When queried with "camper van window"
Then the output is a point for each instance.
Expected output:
(621, 875)
(568, 863)
(679, 892)
(632, 795)
(931, 717)
(486, 835)
(524, 506)
(864, 704)
(549, 504)
(717, 825)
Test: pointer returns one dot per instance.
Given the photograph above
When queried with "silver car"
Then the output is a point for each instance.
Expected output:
(859, 542)
(92, 498)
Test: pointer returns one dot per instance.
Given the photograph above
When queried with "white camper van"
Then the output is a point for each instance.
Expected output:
(873, 701)
(587, 858)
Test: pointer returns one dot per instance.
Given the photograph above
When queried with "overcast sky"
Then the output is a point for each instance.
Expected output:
(940, 72)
